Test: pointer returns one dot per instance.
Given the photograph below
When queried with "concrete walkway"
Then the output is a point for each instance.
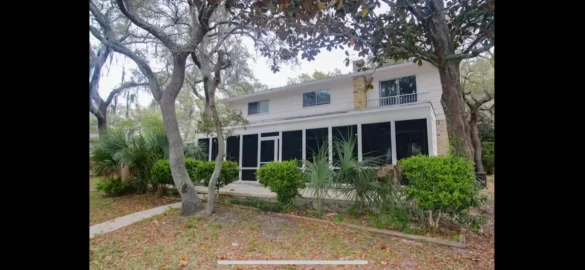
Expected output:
(120, 222)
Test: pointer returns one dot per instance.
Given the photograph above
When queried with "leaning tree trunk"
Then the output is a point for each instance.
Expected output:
(190, 199)
(475, 142)
(218, 159)
(454, 107)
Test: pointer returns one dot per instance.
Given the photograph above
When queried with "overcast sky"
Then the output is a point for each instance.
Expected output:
(325, 61)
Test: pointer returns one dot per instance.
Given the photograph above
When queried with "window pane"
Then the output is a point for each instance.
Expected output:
(253, 108)
(323, 97)
(407, 85)
(309, 99)
(263, 106)
(388, 88)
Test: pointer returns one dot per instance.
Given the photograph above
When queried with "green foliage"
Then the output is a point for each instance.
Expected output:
(283, 178)
(488, 157)
(228, 117)
(130, 157)
(365, 188)
(320, 176)
(397, 220)
(442, 184)
(196, 151)
(337, 218)
(261, 204)
(317, 75)
(114, 187)
(161, 171)
(229, 173)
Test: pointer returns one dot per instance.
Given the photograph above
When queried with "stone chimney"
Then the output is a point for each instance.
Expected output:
(360, 95)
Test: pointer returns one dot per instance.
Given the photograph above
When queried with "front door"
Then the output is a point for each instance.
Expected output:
(268, 150)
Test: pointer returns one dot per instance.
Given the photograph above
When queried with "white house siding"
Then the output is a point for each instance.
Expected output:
(289, 103)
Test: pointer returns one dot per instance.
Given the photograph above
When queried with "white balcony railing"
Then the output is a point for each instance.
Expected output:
(394, 100)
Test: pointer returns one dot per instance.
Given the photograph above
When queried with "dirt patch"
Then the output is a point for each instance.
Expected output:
(270, 226)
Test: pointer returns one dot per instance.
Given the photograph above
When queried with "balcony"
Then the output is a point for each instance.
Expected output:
(394, 100)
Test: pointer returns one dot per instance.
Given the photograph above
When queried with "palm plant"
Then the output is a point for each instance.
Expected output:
(196, 151)
(319, 174)
(130, 157)
(105, 153)
(358, 180)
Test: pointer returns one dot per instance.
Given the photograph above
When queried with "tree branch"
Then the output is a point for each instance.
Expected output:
(121, 88)
(194, 88)
(472, 53)
(141, 63)
(153, 30)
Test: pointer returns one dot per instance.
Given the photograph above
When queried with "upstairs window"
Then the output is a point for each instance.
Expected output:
(317, 98)
(258, 107)
(398, 91)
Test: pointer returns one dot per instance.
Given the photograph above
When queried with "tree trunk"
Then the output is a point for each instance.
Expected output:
(189, 198)
(218, 159)
(102, 125)
(452, 98)
(475, 142)
(454, 107)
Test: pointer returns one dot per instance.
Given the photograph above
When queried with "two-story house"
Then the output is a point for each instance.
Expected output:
(401, 116)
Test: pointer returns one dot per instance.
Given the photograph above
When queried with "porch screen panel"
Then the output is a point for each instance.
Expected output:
(250, 151)
(411, 138)
(204, 145)
(376, 142)
(214, 148)
(292, 145)
(315, 140)
(233, 149)
(344, 133)
(248, 175)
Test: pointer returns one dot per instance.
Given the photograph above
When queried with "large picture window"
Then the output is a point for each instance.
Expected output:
(398, 91)
(317, 98)
(258, 107)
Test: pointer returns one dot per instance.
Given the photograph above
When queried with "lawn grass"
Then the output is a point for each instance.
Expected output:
(168, 241)
(102, 209)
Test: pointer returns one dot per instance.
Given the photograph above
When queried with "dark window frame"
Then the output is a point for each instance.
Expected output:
(258, 107)
(316, 101)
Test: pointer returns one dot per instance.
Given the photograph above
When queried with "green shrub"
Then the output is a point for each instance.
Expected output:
(283, 178)
(161, 171)
(488, 157)
(441, 184)
(114, 187)
(229, 173)
(260, 204)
